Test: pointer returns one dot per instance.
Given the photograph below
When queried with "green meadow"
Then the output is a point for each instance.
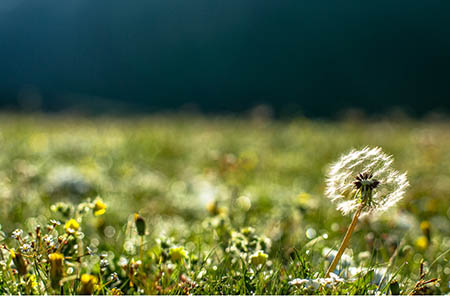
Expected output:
(179, 205)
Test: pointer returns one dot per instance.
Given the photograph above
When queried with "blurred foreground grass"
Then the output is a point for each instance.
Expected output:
(217, 195)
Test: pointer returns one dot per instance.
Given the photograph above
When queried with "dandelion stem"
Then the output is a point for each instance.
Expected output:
(344, 243)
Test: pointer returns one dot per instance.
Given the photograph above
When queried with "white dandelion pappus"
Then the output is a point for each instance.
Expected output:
(389, 188)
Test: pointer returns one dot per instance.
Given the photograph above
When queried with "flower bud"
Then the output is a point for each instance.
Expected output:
(19, 262)
(140, 224)
(258, 258)
(56, 269)
(394, 287)
(425, 227)
(88, 284)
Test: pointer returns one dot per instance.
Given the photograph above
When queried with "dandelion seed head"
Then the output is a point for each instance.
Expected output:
(369, 163)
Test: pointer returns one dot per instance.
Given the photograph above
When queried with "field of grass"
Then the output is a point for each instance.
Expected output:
(230, 206)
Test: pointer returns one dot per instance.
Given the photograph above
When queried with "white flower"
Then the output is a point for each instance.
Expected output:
(314, 284)
(305, 283)
(122, 262)
(16, 234)
(25, 248)
(373, 167)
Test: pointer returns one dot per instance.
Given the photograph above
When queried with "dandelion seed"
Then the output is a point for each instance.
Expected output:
(366, 171)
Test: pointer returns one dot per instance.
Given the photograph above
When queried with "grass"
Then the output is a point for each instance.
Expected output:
(230, 205)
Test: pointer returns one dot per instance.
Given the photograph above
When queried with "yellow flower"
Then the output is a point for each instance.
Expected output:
(88, 284)
(116, 292)
(212, 207)
(56, 268)
(422, 242)
(177, 253)
(425, 227)
(303, 198)
(71, 226)
(99, 207)
(258, 258)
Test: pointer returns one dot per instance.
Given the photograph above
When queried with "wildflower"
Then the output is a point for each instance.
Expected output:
(32, 284)
(116, 292)
(19, 262)
(353, 180)
(55, 222)
(99, 207)
(425, 227)
(305, 283)
(364, 182)
(88, 284)
(71, 226)
(177, 253)
(114, 276)
(422, 243)
(56, 268)
(244, 203)
(25, 248)
(49, 240)
(123, 262)
(258, 258)
(316, 283)
(16, 234)
(104, 263)
(140, 224)
(212, 207)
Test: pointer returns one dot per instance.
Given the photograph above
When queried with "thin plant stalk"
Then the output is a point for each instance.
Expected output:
(141, 248)
(345, 241)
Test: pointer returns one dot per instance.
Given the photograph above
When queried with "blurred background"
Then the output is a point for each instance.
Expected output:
(108, 99)
(295, 57)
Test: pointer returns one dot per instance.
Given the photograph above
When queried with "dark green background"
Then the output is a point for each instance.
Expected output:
(315, 57)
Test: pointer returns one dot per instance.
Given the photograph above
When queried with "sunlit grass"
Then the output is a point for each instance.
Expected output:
(230, 206)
